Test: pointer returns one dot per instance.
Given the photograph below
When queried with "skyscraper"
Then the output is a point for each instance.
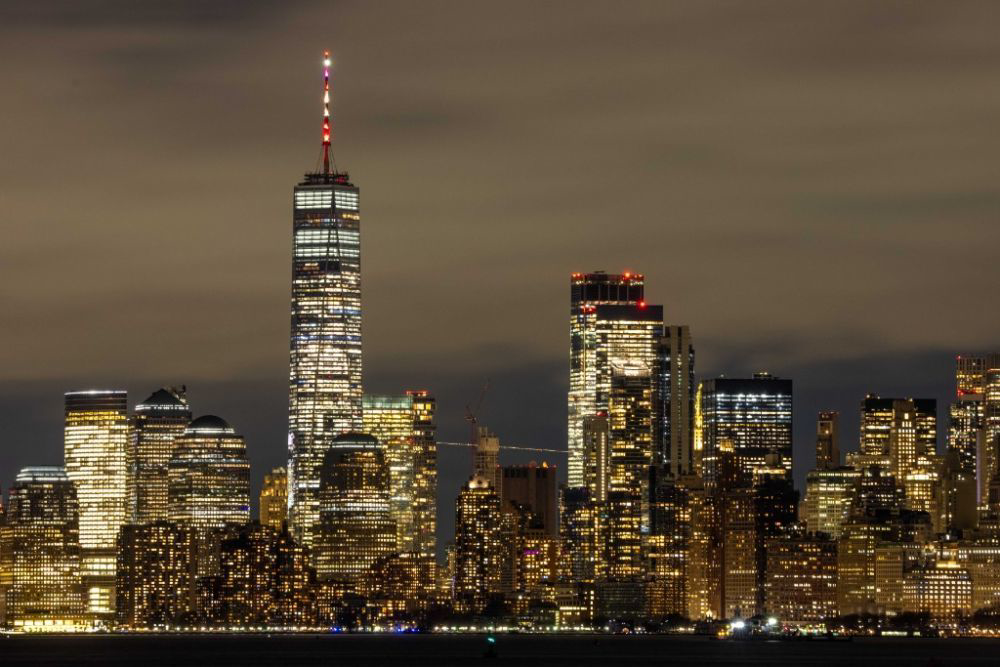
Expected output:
(157, 423)
(478, 548)
(46, 591)
(630, 419)
(966, 425)
(675, 390)
(96, 438)
(157, 570)
(827, 440)
(356, 526)
(754, 415)
(533, 487)
(404, 427)
(208, 478)
(325, 359)
(273, 506)
(587, 292)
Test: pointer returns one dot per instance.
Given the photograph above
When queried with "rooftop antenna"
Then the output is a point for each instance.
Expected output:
(326, 112)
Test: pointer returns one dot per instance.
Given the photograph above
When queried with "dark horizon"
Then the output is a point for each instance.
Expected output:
(810, 189)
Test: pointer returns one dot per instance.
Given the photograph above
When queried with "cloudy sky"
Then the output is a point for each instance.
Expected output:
(812, 187)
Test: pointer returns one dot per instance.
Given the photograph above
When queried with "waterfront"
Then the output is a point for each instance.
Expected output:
(581, 650)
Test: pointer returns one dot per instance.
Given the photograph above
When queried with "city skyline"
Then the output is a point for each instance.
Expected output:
(234, 106)
(759, 432)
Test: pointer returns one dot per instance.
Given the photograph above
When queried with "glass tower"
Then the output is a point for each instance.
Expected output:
(157, 423)
(753, 416)
(96, 439)
(404, 425)
(324, 397)
(588, 291)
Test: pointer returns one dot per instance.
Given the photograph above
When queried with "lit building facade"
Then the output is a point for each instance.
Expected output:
(943, 588)
(479, 552)
(325, 359)
(356, 526)
(588, 361)
(404, 426)
(801, 580)
(95, 444)
(895, 431)
(158, 421)
(156, 575)
(675, 393)
(582, 527)
(273, 502)
(829, 493)
(43, 517)
(630, 429)
(208, 478)
(597, 456)
(754, 415)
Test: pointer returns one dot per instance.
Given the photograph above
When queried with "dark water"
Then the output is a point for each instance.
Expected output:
(520, 650)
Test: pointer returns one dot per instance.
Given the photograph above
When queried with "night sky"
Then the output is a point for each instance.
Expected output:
(812, 187)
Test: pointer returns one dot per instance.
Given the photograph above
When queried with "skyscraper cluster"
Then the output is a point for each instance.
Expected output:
(678, 504)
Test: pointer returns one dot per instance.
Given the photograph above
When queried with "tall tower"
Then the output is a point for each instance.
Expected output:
(158, 421)
(674, 421)
(96, 437)
(324, 398)
(404, 426)
(587, 292)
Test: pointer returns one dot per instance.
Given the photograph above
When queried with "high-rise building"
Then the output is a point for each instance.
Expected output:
(486, 458)
(675, 392)
(478, 549)
(325, 360)
(667, 545)
(989, 457)
(356, 526)
(801, 579)
(533, 487)
(404, 426)
(827, 440)
(943, 588)
(967, 412)
(157, 423)
(895, 433)
(208, 478)
(624, 329)
(582, 532)
(156, 575)
(829, 493)
(630, 427)
(43, 520)
(6, 562)
(705, 566)
(273, 506)
(895, 430)
(96, 439)
(754, 415)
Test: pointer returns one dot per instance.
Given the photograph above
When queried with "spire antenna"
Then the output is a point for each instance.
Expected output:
(326, 112)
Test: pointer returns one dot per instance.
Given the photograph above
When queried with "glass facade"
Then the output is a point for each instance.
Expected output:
(404, 426)
(356, 526)
(209, 476)
(587, 292)
(96, 440)
(325, 359)
(754, 415)
(157, 423)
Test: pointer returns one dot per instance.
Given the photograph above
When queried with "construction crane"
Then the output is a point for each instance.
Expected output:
(473, 417)
(514, 447)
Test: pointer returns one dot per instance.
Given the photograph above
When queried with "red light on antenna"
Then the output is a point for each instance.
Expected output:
(642, 304)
